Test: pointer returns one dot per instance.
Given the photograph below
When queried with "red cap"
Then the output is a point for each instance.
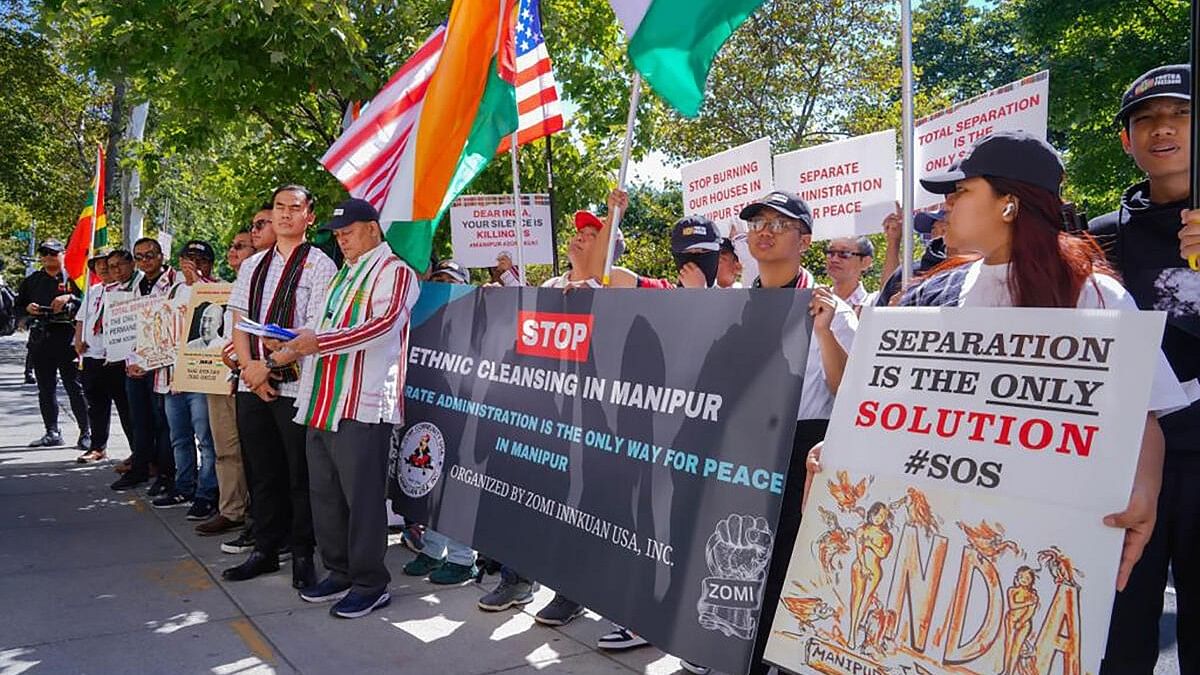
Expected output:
(587, 219)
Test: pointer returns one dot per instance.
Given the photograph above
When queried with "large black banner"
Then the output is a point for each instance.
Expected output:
(627, 448)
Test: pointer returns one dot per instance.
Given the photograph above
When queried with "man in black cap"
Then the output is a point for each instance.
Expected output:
(780, 231)
(351, 394)
(931, 225)
(449, 272)
(730, 267)
(696, 249)
(50, 299)
(1142, 240)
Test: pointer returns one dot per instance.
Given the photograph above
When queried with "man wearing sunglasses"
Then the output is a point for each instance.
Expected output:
(240, 248)
(847, 259)
(262, 233)
(50, 299)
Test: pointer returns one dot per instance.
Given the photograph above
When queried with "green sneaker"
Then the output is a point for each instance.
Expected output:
(453, 573)
(422, 565)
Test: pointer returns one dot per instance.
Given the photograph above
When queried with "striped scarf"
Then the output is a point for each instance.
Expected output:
(346, 305)
(282, 310)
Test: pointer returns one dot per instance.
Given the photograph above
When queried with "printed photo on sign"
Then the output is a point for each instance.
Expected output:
(206, 323)
(850, 185)
(944, 137)
(956, 525)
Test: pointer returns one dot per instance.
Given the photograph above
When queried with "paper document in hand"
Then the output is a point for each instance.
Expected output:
(267, 330)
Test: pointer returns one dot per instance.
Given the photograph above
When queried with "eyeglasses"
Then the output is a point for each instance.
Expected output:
(775, 225)
(146, 256)
(845, 255)
(260, 224)
(46, 253)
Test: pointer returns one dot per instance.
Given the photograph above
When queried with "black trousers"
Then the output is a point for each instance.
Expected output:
(277, 472)
(151, 437)
(54, 357)
(103, 387)
(1175, 544)
(808, 434)
(348, 478)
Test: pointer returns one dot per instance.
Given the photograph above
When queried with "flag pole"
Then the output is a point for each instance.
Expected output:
(908, 183)
(550, 193)
(1193, 262)
(635, 93)
(520, 225)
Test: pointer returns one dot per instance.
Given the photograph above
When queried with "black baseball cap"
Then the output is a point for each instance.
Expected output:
(728, 247)
(786, 203)
(923, 220)
(1174, 81)
(694, 233)
(52, 245)
(351, 211)
(452, 269)
(198, 248)
(1015, 155)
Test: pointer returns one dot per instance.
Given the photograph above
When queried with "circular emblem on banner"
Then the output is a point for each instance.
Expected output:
(419, 461)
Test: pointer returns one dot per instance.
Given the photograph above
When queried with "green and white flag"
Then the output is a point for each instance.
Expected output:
(673, 42)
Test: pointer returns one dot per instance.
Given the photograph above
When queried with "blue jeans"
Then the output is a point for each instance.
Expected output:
(438, 545)
(187, 416)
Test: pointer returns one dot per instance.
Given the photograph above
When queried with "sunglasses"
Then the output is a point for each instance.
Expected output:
(846, 255)
(260, 224)
(146, 256)
(774, 225)
(239, 246)
(46, 253)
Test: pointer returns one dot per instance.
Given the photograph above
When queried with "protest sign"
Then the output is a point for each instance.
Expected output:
(850, 185)
(944, 137)
(198, 365)
(647, 433)
(482, 229)
(120, 325)
(956, 526)
(142, 327)
(717, 187)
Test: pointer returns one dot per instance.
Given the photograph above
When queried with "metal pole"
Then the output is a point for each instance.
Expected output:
(635, 94)
(29, 259)
(520, 224)
(906, 97)
(550, 192)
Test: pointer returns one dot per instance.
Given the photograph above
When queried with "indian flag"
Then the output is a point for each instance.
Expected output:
(91, 230)
(673, 42)
(434, 127)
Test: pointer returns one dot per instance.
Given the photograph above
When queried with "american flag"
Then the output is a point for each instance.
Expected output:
(537, 98)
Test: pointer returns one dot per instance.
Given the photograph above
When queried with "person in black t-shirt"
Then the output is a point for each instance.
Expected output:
(1142, 241)
(50, 299)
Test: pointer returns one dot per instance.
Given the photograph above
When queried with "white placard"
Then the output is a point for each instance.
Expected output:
(944, 137)
(850, 185)
(120, 325)
(482, 229)
(717, 187)
(956, 526)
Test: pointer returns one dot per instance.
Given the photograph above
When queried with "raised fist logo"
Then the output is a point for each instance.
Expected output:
(737, 553)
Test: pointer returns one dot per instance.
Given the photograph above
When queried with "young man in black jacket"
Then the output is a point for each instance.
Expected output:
(1142, 240)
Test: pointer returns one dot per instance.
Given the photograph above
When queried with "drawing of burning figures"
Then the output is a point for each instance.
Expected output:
(873, 541)
(1018, 624)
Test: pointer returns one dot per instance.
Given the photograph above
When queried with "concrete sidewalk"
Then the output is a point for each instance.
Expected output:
(93, 581)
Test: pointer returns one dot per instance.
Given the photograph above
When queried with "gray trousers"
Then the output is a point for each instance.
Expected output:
(347, 478)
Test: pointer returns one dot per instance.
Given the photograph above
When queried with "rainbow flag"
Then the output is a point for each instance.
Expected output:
(91, 230)
(434, 127)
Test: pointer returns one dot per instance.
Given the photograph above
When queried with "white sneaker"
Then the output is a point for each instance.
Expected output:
(620, 638)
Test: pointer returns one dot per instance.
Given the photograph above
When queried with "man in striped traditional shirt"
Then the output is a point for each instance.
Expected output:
(283, 285)
(351, 393)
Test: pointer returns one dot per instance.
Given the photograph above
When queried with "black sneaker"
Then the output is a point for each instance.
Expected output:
(51, 439)
(326, 591)
(620, 638)
(202, 509)
(85, 441)
(243, 544)
(560, 612)
(128, 481)
(161, 486)
(172, 500)
(356, 604)
(511, 592)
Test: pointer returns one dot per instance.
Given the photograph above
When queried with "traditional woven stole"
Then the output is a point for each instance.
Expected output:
(345, 307)
(282, 310)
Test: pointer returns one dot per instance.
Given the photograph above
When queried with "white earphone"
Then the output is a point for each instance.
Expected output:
(1009, 210)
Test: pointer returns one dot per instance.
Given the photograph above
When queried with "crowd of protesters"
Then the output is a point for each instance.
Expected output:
(292, 460)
